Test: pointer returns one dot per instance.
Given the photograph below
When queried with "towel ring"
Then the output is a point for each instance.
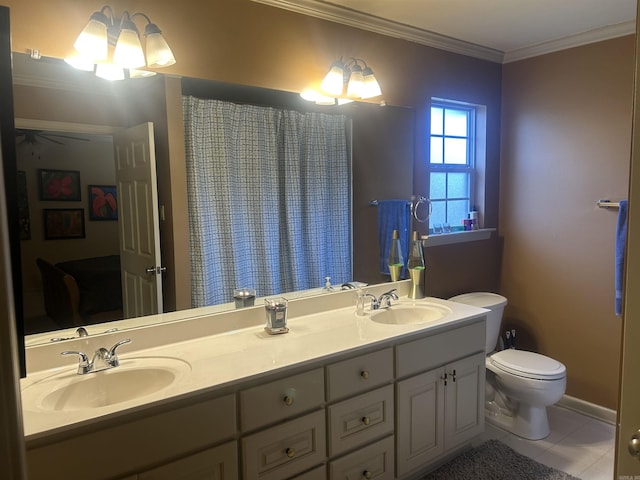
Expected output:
(414, 207)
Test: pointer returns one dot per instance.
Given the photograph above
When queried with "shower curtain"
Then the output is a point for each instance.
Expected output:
(269, 194)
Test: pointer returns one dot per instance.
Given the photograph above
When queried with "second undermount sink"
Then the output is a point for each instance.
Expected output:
(134, 378)
(410, 313)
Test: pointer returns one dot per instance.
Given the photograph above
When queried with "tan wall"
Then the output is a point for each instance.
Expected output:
(565, 144)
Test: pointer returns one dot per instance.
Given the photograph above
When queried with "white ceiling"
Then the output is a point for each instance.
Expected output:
(497, 30)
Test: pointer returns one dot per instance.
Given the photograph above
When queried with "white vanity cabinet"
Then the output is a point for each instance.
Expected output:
(442, 407)
(386, 410)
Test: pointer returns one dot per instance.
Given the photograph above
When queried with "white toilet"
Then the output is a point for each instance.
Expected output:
(520, 384)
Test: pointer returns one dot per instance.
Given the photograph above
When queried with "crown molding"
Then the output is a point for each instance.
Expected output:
(583, 38)
(345, 16)
(352, 18)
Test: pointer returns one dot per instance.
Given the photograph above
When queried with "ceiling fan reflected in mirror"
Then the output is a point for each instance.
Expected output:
(35, 141)
(33, 137)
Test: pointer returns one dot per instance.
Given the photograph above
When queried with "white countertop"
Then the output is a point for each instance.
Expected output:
(223, 359)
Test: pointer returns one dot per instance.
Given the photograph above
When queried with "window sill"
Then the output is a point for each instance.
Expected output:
(457, 237)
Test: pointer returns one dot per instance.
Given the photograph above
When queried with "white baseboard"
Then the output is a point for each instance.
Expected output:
(586, 408)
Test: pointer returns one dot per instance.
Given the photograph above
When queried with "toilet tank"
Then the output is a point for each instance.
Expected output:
(491, 301)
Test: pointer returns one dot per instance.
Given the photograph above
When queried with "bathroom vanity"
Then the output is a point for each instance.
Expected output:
(385, 395)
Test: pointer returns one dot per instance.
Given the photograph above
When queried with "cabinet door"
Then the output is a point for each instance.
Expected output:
(420, 420)
(464, 399)
(219, 463)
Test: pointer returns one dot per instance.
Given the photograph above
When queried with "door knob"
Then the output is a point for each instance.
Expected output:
(155, 270)
(634, 445)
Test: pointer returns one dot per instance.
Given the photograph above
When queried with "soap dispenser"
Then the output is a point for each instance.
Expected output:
(416, 268)
(396, 260)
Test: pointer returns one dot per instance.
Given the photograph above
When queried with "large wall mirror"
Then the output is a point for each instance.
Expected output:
(65, 161)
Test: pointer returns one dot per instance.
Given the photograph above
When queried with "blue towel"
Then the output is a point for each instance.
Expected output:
(621, 242)
(393, 215)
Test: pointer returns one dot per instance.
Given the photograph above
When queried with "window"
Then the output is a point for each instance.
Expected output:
(452, 145)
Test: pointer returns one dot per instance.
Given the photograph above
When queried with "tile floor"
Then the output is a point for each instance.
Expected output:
(579, 445)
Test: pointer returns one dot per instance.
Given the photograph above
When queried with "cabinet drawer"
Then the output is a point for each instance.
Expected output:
(219, 463)
(375, 462)
(360, 419)
(433, 351)
(319, 473)
(359, 374)
(277, 400)
(285, 450)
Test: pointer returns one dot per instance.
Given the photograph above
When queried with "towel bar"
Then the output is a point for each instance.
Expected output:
(607, 204)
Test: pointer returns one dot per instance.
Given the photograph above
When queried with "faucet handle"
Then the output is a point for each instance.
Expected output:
(113, 357)
(84, 366)
(391, 293)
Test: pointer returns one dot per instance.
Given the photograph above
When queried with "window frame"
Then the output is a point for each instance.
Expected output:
(469, 167)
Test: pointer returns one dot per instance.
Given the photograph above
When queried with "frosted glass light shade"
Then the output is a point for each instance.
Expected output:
(356, 83)
(334, 80)
(92, 43)
(371, 87)
(128, 52)
(158, 52)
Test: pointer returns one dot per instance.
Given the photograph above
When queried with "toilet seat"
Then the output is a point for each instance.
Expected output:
(528, 364)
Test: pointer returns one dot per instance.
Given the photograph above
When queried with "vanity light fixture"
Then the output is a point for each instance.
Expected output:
(344, 83)
(360, 82)
(105, 30)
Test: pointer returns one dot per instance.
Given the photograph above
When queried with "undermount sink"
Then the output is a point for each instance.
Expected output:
(410, 313)
(134, 378)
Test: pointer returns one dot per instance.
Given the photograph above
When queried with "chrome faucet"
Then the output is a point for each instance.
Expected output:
(103, 359)
(386, 298)
(80, 333)
(383, 301)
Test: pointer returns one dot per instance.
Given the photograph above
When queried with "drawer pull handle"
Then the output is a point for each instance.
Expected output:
(290, 452)
(367, 474)
(366, 420)
(364, 374)
(288, 401)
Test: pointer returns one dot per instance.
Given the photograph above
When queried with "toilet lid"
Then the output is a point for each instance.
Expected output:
(480, 299)
(528, 364)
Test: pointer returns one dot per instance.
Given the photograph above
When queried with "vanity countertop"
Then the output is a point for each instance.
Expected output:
(221, 360)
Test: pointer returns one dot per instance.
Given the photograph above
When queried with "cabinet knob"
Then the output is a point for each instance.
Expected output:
(634, 445)
(288, 401)
(364, 374)
(453, 375)
(366, 420)
(367, 474)
(290, 452)
(444, 377)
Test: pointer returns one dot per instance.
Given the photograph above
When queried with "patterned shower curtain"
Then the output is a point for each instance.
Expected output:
(269, 194)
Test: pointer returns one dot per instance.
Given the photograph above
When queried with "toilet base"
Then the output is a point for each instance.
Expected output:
(529, 422)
